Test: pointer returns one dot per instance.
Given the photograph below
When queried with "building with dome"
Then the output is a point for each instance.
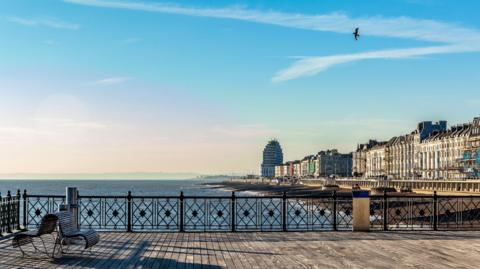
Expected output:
(272, 156)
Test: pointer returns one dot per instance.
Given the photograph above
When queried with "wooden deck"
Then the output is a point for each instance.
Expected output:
(266, 250)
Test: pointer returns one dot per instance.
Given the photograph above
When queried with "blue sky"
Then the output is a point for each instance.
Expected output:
(189, 86)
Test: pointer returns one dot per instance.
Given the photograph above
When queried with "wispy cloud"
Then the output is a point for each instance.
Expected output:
(45, 22)
(112, 81)
(452, 38)
(131, 40)
(310, 66)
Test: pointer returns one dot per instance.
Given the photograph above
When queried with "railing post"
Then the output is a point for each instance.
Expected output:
(435, 213)
(385, 211)
(78, 217)
(129, 211)
(334, 210)
(9, 212)
(232, 212)
(25, 209)
(18, 210)
(1, 215)
(181, 213)
(284, 211)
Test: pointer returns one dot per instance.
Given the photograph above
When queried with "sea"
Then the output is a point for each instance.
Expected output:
(163, 187)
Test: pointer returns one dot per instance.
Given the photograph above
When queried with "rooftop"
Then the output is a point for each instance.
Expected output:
(266, 250)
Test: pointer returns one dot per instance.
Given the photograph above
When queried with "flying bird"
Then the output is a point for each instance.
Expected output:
(356, 34)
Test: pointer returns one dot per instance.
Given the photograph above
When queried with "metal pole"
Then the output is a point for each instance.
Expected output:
(18, 209)
(182, 229)
(25, 209)
(385, 211)
(435, 213)
(129, 211)
(334, 210)
(9, 212)
(284, 211)
(233, 211)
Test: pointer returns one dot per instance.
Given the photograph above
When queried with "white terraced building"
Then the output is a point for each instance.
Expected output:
(429, 152)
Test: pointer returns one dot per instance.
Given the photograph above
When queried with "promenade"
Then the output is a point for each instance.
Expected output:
(459, 249)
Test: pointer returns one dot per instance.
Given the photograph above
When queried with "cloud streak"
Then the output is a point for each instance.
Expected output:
(112, 81)
(452, 38)
(44, 22)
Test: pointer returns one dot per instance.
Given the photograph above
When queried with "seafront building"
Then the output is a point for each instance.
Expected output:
(375, 166)
(323, 164)
(359, 158)
(333, 163)
(431, 151)
(272, 156)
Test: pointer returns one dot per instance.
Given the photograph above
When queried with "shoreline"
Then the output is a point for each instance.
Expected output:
(268, 189)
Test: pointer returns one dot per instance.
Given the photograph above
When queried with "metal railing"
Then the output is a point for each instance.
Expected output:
(327, 212)
(201, 213)
(9, 213)
(421, 212)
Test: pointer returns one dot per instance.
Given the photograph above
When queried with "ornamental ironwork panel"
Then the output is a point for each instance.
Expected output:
(299, 213)
(271, 214)
(310, 214)
(376, 213)
(194, 214)
(344, 213)
(322, 213)
(246, 214)
(258, 214)
(207, 214)
(470, 212)
(39, 206)
(143, 214)
(103, 213)
(410, 213)
(167, 214)
(448, 214)
(155, 214)
(458, 213)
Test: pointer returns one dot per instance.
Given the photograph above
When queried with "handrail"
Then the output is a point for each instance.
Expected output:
(320, 211)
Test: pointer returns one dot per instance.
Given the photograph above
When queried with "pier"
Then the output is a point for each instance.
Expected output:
(266, 250)
(271, 231)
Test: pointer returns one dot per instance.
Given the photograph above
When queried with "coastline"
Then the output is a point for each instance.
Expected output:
(260, 189)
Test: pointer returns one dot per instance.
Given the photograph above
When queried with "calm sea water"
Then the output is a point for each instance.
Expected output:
(114, 187)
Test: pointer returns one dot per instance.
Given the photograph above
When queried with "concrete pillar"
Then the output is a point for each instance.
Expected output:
(361, 211)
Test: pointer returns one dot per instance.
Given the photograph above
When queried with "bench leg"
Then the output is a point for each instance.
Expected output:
(58, 242)
(21, 250)
(44, 246)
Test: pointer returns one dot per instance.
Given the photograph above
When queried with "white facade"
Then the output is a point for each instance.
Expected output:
(375, 161)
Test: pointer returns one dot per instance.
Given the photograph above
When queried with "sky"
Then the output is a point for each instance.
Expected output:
(112, 86)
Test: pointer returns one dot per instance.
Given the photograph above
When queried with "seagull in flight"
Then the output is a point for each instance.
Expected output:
(356, 34)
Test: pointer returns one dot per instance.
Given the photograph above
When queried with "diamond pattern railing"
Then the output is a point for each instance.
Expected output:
(376, 213)
(250, 213)
(39, 206)
(103, 213)
(458, 213)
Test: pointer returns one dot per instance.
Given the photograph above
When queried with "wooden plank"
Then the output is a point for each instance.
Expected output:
(266, 250)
